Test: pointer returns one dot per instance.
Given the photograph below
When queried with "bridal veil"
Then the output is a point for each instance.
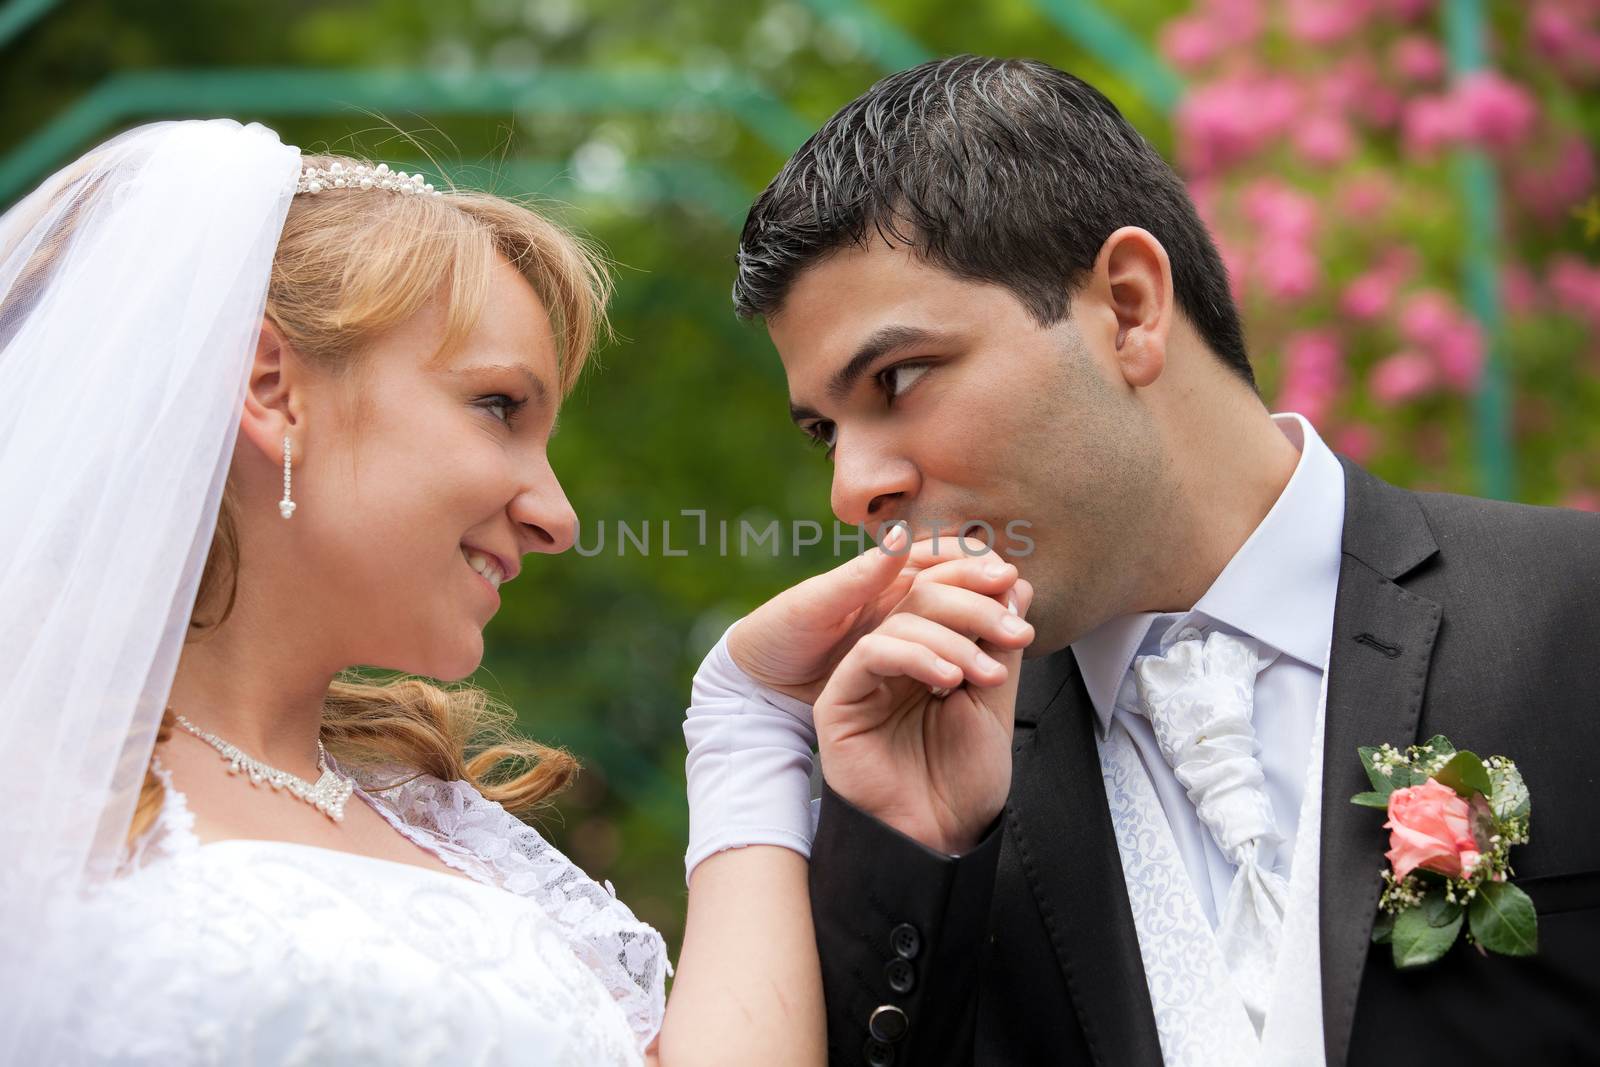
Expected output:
(132, 285)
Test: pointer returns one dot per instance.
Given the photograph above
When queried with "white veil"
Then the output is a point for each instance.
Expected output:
(132, 285)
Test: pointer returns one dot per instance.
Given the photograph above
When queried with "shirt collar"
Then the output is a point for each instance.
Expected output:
(1279, 587)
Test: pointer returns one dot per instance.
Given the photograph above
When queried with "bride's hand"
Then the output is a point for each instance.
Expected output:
(937, 769)
(793, 642)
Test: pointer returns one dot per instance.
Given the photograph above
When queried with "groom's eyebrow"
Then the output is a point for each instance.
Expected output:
(881, 342)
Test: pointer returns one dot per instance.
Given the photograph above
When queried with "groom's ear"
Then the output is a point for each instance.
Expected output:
(273, 405)
(1133, 283)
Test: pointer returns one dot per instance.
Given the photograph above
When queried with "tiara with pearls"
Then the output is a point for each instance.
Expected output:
(360, 176)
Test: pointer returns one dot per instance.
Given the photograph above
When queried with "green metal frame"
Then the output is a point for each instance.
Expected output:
(1480, 196)
(648, 181)
(19, 15)
(1109, 41)
(311, 92)
(888, 45)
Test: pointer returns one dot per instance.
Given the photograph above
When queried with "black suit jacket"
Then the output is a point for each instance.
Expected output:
(1471, 618)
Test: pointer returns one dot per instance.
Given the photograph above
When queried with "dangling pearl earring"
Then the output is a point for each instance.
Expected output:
(286, 506)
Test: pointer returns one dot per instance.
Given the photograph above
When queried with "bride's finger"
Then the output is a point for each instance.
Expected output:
(822, 602)
(1004, 695)
(990, 575)
(980, 616)
(977, 666)
(878, 657)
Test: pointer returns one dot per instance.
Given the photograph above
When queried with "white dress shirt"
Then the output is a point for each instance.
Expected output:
(1279, 588)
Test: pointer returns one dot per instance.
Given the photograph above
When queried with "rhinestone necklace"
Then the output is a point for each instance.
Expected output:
(328, 795)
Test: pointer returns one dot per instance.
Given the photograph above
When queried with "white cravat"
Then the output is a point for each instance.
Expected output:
(1199, 697)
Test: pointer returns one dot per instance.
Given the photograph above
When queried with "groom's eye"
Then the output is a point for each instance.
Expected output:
(898, 379)
(820, 434)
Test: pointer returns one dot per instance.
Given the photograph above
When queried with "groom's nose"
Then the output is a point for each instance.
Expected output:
(871, 486)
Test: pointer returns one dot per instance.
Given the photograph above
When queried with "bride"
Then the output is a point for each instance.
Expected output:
(266, 417)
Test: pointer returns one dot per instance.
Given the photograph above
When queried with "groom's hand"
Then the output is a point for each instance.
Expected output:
(937, 769)
(793, 642)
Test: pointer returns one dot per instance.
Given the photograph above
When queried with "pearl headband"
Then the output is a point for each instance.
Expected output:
(360, 176)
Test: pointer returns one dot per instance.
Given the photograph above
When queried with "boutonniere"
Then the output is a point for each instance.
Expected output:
(1453, 818)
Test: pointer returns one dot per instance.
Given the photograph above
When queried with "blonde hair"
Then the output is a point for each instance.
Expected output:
(350, 264)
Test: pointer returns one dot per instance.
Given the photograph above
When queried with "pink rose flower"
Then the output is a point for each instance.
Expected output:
(1401, 377)
(1409, 10)
(1370, 294)
(1347, 83)
(1313, 366)
(1460, 354)
(1286, 269)
(1280, 210)
(1223, 122)
(1366, 196)
(1428, 317)
(1498, 112)
(1430, 827)
(1418, 58)
(1565, 34)
(1326, 21)
(1324, 140)
(1575, 286)
(1431, 123)
(1548, 183)
(1191, 42)
(1359, 441)
(1367, 297)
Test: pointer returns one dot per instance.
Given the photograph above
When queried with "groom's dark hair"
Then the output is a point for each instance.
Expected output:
(997, 170)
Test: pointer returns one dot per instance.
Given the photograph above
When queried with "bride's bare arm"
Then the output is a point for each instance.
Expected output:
(748, 986)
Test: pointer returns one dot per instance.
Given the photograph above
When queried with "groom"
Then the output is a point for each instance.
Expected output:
(994, 301)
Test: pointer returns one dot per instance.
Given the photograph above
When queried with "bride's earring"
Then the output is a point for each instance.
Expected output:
(286, 506)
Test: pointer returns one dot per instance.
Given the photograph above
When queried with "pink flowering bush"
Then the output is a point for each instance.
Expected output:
(1321, 140)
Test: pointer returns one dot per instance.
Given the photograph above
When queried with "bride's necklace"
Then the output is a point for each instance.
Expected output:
(328, 795)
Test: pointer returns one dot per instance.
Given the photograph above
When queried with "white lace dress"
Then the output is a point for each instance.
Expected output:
(271, 953)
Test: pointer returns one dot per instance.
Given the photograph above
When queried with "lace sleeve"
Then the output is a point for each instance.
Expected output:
(481, 838)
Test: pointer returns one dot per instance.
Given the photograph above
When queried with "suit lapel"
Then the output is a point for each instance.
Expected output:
(1061, 826)
(1383, 639)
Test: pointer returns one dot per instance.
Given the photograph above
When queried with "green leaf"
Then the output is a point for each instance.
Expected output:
(1437, 910)
(1416, 940)
(1436, 750)
(1466, 774)
(1422, 934)
(1382, 928)
(1437, 745)
(1383, 783)
(1503, 920)
(1509, 798)
(1371, 800)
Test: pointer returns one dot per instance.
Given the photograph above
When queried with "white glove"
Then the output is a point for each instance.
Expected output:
(749, 764)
